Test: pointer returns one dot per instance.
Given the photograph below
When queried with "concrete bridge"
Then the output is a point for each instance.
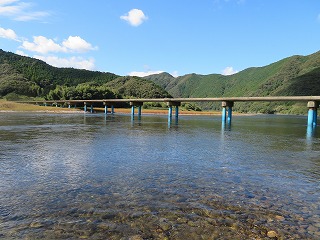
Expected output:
(226, 103)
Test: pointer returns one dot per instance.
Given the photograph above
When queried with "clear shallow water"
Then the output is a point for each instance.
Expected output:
(87, 176)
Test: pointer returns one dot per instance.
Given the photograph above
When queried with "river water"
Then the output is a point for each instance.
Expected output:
(76, 176)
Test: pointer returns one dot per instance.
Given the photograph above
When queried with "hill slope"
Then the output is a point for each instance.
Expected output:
(296, 75)
(30, 77)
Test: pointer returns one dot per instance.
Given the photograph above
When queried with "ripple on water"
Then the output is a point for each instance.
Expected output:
(74, 177)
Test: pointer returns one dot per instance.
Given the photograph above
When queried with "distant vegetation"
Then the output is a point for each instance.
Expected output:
(293, 76)
(28, 78)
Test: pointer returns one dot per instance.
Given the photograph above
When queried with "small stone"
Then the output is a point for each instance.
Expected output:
(165, 226)
(280, 218)
(136, 237)
(272, 234)
(104, 226)
(36, 225)
(312, 229)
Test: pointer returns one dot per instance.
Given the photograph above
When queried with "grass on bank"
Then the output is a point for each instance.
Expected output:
(8, 106)
(21, 107)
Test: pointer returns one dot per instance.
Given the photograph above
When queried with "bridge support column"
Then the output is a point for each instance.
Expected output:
(132, 111)
(177, 112)
(225, 116)
(105, 108)
(176, 105)
(170, 113)
(85, 107)
(139, 111)
(313, 113)
(139, 105)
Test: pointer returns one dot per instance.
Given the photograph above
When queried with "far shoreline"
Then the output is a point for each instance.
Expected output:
(13, 107)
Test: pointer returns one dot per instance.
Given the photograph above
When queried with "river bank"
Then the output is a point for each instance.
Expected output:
(8, 106)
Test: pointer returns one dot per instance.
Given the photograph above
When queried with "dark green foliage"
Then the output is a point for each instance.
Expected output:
(190, 107)
(30, 77)
(45, 75)
(81, 91)
(162, 79)
(137, 88)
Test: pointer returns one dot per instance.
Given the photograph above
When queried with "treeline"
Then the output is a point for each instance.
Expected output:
(81, 91)
(24, 77)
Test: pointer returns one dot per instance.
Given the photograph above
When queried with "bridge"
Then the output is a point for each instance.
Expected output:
(227, 104)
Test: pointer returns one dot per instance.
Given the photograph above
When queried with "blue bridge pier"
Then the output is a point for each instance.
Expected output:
(172, 104)
(106, 104)
(134, 104)
(85, 107)
(227, 112)
(312, 113)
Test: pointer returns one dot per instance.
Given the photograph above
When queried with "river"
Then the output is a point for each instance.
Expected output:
(90, 176)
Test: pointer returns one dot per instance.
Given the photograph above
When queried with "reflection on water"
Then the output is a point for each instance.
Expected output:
(98, 177)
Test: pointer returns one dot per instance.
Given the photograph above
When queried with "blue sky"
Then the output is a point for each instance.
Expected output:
(139, 37)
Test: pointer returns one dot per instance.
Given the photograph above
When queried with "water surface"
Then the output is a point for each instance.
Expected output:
(71, 176)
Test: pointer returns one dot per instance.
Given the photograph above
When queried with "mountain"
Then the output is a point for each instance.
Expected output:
(296, 75)
(22, 76)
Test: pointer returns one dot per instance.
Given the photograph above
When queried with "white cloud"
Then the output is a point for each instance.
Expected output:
(148, 73)
(175, 74)
(45, 45)
(8, 34)
(144, 74)
(20, 11)
(77, 44)
(135, 17)
(19, 52)
(229, 71)
(42, 45)
(31, 16)
(74, 62)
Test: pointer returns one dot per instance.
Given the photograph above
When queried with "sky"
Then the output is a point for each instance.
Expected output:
(143, 37)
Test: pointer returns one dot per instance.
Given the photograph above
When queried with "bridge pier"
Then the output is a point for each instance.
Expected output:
(133, 105)
(312, 113)
(105, 108)
(85, 107)
(106, 104)
(227, 117)
(176, 105)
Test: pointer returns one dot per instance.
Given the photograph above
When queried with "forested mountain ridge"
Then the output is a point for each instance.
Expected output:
(274, 79)
(295, 76)
(25, 76)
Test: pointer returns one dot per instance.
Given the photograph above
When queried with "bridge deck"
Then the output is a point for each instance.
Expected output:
(221, 99)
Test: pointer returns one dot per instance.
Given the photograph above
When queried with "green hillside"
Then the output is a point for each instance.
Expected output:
(25, 77)
(296, 75)
(137, 88)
